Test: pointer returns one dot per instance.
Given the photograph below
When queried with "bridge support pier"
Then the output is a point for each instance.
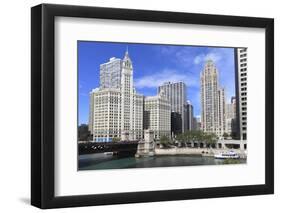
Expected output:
(146, 148)
(242, 146)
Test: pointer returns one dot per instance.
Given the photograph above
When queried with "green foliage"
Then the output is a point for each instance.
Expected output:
(83, 133)
(164, 140)
(225, 135)
(234, 135)
(180, 138)
(210, 138)
(231, 161)
(116, 139)
(198, 137)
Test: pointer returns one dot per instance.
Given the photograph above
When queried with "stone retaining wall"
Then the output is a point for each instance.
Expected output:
(196, 151)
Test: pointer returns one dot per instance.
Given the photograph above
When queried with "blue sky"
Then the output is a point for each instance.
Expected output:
(153, 65)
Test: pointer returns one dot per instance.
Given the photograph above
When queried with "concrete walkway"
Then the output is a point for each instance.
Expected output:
(197, 151)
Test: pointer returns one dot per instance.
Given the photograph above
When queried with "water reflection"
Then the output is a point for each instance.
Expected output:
(102, 161)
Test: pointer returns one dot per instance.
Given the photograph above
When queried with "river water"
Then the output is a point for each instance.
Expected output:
(102, 161)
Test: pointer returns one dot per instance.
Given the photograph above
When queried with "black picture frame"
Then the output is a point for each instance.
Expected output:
(43, 117)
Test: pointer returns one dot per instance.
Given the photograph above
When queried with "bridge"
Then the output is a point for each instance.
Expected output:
(120, 148)
(130, 148)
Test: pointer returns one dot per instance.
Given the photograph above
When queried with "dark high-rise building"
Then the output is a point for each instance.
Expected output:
(195, 124)
(190, 125)
(176, 123)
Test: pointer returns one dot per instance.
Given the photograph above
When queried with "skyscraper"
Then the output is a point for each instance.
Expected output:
(91, 110)
(198, 123)
(131, 103)
(115, 107)
(157, 115)
(176, 94)
(241, 92)
(212, 100)
(176, 123)
(190, 123)
(230, 117)
(110, 73)
(105, 114)
(221, 112)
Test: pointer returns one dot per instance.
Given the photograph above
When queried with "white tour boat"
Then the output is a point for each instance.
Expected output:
(108, 153)
(227, 155)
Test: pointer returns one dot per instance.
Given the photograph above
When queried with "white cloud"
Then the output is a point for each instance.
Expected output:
(179, 55)
(167, 50)
(95, 89)
(83, 94)
(198, 59)
(81, 83)
(158, 78)
(215, 56)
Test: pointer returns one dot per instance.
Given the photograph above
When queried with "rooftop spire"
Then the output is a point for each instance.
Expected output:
(127, 53)
(126, 60)
(209, 61)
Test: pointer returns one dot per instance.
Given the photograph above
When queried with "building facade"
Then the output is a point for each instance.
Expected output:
(115, 107)
(190, 120)
(221, 112)
(176, 94)
(91, 110)
(230, 117)
(110, 73)
(176, 123)
(106, 114)
(212, 101)
(195, 124)
(241, 92)
(198, 123)
(157, 115)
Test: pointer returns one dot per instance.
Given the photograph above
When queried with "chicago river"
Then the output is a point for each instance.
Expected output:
(99, 161)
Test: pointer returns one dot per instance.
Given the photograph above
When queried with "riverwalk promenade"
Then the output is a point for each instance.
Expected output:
(197, 151)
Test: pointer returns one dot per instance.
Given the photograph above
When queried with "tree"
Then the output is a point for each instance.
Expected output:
(225, 135)
(196, 136)
(116, 139)
(190, 136)
(210, 139)
(164, 140)
(234, 135)
(83, 133)
(180, 138)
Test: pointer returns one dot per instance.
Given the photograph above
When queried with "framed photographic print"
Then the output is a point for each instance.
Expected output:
(139, 106)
